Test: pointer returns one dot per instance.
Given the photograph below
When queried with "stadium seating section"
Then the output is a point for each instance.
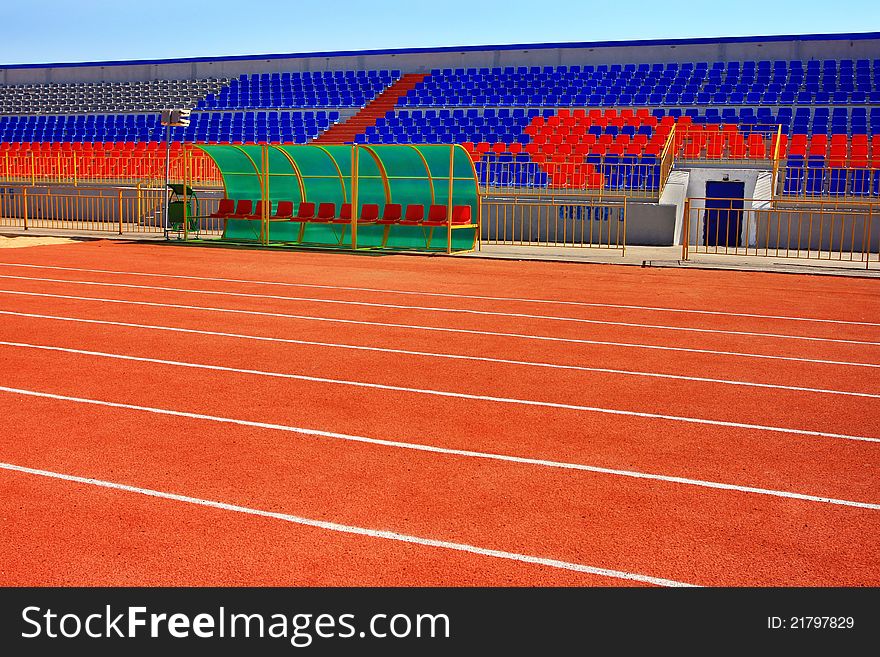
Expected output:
(602, 126)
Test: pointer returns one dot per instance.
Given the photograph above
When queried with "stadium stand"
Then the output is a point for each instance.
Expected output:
(602, 126)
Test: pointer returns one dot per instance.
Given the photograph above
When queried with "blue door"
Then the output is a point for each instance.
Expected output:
(724, 208)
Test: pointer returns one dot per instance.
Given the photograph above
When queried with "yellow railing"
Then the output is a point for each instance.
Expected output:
(714, 143)
(785, 228)
(809, 181)
(592, 176)
(106, 167)
(574, 221)
(120, 210)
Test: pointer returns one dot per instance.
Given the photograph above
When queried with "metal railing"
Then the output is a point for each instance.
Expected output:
(580, 172)
(587, 176)
(813, 179)
(119, 210)
(555, 221)
(816, 229)
(106, 167)
(716, 143)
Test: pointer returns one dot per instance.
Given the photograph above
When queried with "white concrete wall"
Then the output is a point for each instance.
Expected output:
(416, 62)
(675, 193)
(761, 200)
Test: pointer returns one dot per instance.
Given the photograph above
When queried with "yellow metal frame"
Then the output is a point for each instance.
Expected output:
(825, 220)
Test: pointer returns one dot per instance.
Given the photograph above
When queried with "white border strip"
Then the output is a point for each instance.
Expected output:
(435, 309)
(442, 329)
(585, 304)
(449, 394)
(428, 354)
(451, 452)
(350, 529)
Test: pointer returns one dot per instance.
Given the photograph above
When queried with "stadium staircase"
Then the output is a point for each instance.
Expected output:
(345, 132)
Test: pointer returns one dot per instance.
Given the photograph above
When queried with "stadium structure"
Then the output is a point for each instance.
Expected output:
(755, 145)
(271, 381)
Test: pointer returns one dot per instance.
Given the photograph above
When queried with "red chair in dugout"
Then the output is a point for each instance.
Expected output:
(305, 212)
(391, 214)
(414, 216)
(243, 209)
(225, 210)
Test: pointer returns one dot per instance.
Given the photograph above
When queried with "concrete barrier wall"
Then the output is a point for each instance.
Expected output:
(576, 223)
(833, 232)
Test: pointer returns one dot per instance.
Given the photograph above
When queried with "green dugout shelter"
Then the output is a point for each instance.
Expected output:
(402, 174)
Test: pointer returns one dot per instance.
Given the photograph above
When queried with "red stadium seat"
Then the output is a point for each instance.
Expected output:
(461, 214)
(737, 147)
(369, 213)
(414, 215)
(344, 214)
(258, 211)
(225, 209)
(243, 209)
(436, 215)
(391, 213)
(756, 148)
(284, 210)
(305, 212)
(326, 212)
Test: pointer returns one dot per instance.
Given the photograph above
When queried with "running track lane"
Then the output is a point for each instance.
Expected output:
(788, 343)
(462, 305)
(674, 532)
(763, 363)
(823, 465)
(829, 412)
(718, 290)
(66, 534)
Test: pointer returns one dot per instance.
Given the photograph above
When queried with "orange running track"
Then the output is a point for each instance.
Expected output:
(195, 416)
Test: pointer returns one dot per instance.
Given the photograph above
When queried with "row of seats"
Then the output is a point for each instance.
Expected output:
(506, 125)
(814, 177)
(685, 84)
(291, 127)
(301, 89)
(392, 213)
(625, 97)
(294, 127)
(145, 96)
(861, 65)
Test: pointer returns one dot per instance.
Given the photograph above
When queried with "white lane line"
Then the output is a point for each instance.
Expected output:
(455, 395)
(439, 329)
(351, 529)
(585, 304)
(435, 309)
(454, 452)
(427, 354)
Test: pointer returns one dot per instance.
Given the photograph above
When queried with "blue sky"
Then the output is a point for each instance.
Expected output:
(43, 31)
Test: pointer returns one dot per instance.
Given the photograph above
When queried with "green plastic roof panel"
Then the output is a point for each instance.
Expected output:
(239, 171)
(464, 191)
(284, 182)
(323, 179)
(406, 171)
(405, 174)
